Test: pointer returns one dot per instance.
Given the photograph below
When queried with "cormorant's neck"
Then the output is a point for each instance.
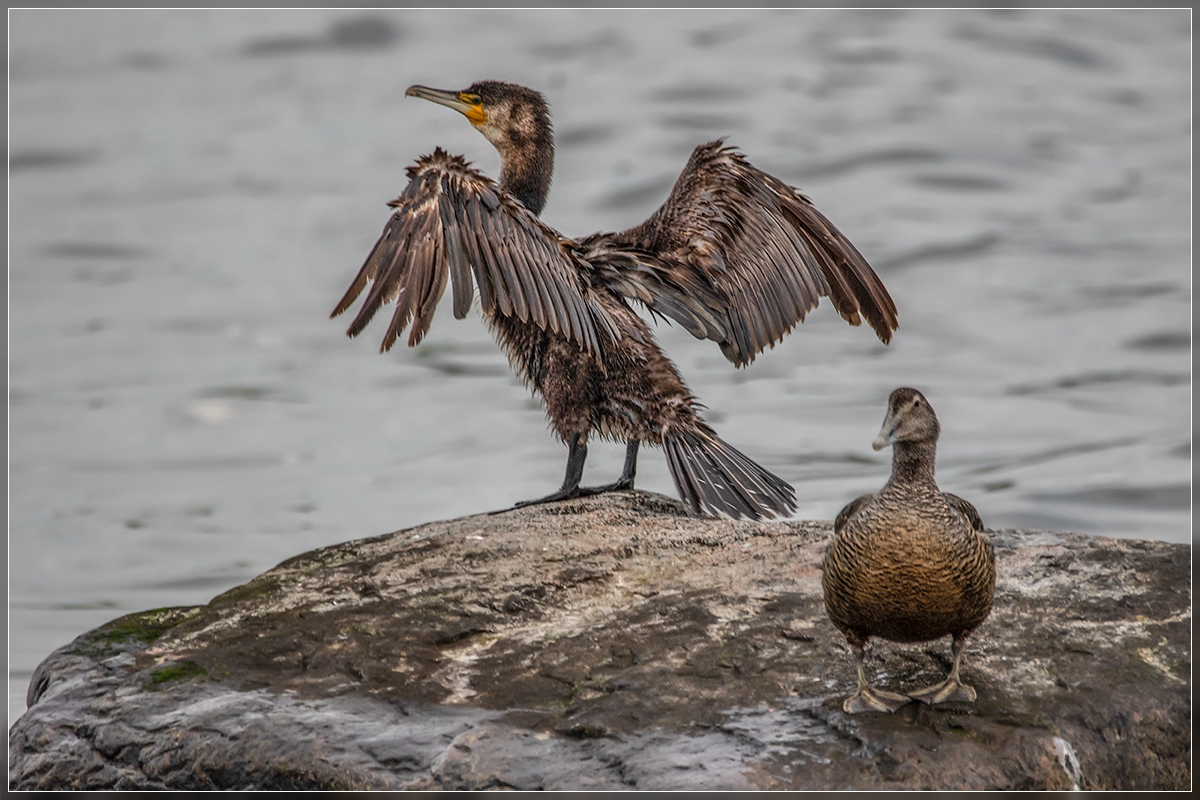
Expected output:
(913, 462)
(527, 164)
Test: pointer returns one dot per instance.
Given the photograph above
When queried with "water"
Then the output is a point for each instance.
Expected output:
(192, 191)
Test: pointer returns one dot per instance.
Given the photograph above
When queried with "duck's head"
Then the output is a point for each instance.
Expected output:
(909, 418)
(509, 116)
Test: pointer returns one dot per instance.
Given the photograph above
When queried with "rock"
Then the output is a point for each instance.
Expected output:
(617, 642)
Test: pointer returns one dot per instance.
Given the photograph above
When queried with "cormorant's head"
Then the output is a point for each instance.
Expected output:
(909, 418)
(512, 117)
(516, 121)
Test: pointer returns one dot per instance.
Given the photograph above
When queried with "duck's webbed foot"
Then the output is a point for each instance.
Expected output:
(623, 482)
(950, 690)
(945, 692)
(868, 698)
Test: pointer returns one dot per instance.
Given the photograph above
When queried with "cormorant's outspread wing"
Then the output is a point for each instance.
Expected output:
(737, 256)
(453, 219)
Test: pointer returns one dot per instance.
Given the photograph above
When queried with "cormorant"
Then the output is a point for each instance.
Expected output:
(911, 563)
(734, 255)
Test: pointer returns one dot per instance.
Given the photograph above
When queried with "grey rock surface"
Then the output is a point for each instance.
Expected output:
(617, 642)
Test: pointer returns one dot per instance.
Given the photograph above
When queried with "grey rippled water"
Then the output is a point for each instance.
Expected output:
(191, 191)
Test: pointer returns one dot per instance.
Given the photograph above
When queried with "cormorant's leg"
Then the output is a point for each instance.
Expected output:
(952, 688)
(627, 474)
(868, 698)
(576, 455)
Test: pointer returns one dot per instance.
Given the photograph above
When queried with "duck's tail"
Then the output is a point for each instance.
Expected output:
(712, 475)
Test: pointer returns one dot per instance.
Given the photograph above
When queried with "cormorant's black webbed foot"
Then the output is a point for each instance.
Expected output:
(561, 494)
(576, 455)
(628, 473)
(571, 488)
(588, 491)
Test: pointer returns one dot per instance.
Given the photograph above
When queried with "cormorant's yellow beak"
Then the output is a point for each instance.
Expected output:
(469, 105)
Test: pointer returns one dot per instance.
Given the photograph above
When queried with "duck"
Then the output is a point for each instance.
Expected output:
(734, 255)
(910, 563)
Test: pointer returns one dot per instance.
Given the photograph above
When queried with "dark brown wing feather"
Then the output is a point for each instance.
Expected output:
(965, 508)
(740, 257)
(453, 222)
(850, 510)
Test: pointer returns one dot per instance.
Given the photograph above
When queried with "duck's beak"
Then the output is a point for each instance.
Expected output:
(887, 434)
(472, 111)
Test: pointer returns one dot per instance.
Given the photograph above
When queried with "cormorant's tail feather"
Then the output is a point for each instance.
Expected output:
(710, 474)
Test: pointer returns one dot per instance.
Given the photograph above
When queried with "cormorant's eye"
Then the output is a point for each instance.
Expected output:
(473, 99)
